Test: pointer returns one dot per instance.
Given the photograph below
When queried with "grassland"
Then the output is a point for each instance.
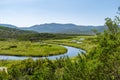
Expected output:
(83, 42)
(47, 47)
(27, 48)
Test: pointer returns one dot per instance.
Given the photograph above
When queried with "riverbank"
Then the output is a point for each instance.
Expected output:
(71, 52)
(26, 48)
(47, 47)
(77, 43)
(82, 42)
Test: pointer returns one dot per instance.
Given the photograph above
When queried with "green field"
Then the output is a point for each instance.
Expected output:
(27, 48)
(82, 42)
(47, 47)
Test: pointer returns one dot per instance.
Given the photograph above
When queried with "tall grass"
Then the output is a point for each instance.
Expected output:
(26, 48)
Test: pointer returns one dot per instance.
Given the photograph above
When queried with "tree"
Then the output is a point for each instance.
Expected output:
(113, 25)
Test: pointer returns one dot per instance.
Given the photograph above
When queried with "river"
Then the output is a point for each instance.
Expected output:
(71, 52)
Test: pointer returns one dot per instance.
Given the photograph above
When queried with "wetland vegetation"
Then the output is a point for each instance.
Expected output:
(27, 48)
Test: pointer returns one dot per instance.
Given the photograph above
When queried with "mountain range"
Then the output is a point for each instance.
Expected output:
(60, 28)
(8, 25)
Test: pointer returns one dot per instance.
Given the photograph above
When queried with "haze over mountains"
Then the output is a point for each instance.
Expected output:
(60, 28)
(64, 28)
(8, 25)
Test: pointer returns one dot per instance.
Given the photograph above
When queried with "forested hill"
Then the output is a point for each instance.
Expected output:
(6, 32)
(15, 33)
(65, 28)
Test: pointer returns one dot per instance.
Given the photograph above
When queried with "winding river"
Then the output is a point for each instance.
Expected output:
(71, 52)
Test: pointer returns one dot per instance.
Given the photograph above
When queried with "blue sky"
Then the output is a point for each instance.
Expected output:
(25, 13)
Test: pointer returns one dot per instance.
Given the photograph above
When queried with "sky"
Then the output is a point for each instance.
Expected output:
(26, 13)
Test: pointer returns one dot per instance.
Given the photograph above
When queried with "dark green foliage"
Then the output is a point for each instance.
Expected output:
(108, 52)
(3, 76)
(15, 72)
(113, 25)
(45, 69)
(12, 33)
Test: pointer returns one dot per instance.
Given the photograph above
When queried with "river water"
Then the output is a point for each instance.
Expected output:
(71, 52)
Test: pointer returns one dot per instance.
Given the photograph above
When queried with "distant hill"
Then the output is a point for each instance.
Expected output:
(65, 28)
(6, 32)
(59, 28)
(8, 25)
